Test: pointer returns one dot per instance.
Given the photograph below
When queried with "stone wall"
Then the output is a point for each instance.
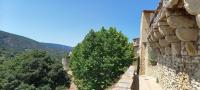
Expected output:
(174, 35)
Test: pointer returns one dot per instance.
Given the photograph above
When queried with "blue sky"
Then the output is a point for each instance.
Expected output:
(68, 21)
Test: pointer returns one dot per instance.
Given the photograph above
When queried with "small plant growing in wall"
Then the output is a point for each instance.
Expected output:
(152, 57)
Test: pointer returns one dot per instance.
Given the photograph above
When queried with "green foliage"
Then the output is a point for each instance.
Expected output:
(152, 57)
(100, 59)
(32, 70)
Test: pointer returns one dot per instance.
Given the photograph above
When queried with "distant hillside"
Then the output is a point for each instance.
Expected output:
(15, 43)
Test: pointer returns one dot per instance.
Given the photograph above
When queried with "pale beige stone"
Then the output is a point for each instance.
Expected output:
(149, 40)
(198, 20)
(162, 15)
(177, 12)
(157, 34)
(155, 25)
(176, 48)
(162, 50)
(191, 49)
(155, 29)
(172, 38)
(181, 22)
(168, 50)
(185, 34)
(170, 3)
(153, 38)
(162, 23)
(192, 6)
(163, 42)
(165, 30)
(156, 45)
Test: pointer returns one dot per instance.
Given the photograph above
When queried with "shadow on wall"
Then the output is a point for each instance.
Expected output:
(135, 85)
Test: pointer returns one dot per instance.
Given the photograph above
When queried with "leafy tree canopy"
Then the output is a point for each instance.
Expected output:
(32, 70)
(100, 59)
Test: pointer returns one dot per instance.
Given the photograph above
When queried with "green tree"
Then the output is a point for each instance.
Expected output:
(32, 70)
(100, 59)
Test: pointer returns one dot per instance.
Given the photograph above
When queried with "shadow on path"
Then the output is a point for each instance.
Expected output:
(135, 85)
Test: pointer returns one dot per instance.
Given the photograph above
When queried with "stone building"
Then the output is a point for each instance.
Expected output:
(136, 42)
(172, 32)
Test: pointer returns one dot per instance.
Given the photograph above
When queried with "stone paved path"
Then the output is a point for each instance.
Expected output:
(148, 83)
(126, 80)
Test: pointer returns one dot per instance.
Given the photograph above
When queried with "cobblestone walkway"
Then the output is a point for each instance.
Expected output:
(126, 80)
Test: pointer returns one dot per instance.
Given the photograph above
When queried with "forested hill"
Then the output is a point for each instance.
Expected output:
(15, 43)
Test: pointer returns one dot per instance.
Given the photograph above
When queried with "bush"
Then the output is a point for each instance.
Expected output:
(152, 57)
(100, 59)
(32, 70)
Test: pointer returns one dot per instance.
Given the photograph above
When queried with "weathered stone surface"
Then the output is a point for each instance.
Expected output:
(170, 3)
(157, 34)
(156, 45)
(162, 50)
(198, 20)
(185, 34)
(191, 49)
(155, 25)
(155, 29)
(168, 50)
(175, 12)
(184, 37)
(163, 42)
(162, 15)
(181, 22)
(162, 23)
(172, 38)
(153, 38)
(176, 48)
(192, 6)
(165, 30)
(149, 40)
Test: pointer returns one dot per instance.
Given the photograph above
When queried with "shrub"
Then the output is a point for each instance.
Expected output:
(152, 57)
(100, 58)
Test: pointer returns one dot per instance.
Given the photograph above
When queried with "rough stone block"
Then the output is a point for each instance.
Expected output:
(198, 20)
(172, 38)
(192, 6)
(162, 23)
(185, 34)
(181, 21)
(191, 49)
(163, 43)
(155, 29)
(153, 38)
(170, 3)
(162, 50)
(155, 25)
(175, 12)
(168, 50)
(157, 34)
(176, 48)
(166, 30)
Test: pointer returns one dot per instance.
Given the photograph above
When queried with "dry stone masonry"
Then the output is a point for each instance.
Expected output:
(174, 34)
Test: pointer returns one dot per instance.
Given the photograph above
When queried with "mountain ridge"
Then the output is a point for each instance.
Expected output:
(17, 43)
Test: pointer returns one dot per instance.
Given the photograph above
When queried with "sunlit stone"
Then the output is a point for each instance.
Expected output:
(192, 6)
(185, 34)
(181, 22)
